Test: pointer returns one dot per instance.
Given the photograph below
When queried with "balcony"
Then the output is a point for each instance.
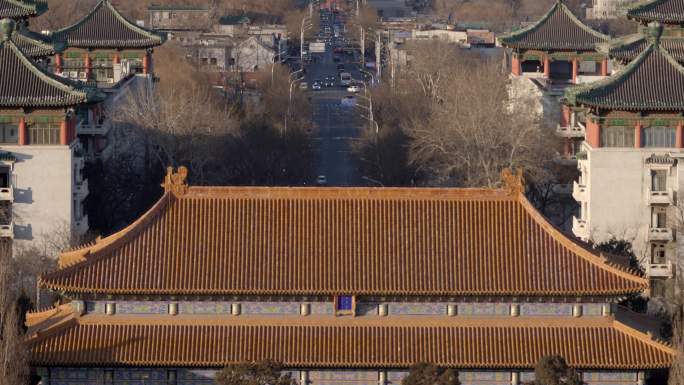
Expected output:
(659, 270)
(7, 194)
(665, 197)
(660, 234)
(566, 159)
(570, 132)
(580, 228)
(580, 192)
(7, 231)
(84, 128)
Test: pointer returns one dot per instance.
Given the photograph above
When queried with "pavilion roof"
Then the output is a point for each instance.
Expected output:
(35, 45)
(61, 337)
(24, 84)
(330, 241)
(558, 29)
(105, 27)
(653, 81)
(15, 9)
(629, 47)
(664, 11)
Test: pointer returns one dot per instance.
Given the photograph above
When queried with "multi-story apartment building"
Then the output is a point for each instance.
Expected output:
(608, 9)
(41, 156)
(630, 174)
(343, 286)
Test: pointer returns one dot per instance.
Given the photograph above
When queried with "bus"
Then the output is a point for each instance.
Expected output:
(345, 79)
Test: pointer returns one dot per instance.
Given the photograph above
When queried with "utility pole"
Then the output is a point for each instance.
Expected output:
(363, 48)
(378, 54)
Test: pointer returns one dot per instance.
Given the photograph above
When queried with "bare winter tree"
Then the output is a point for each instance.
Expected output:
(462, 130)
(14, 357)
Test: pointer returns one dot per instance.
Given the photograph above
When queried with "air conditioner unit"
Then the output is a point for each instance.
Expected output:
(83, 75)
(73, 74)
(110, 80)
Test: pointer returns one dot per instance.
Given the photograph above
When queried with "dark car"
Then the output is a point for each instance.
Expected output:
(340, 66)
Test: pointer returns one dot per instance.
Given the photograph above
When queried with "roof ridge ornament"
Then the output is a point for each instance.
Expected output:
(176, 182)
(513, 182)
(655, 31)
(7, 26)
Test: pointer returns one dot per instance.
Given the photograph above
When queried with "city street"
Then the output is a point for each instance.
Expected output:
(337, 126)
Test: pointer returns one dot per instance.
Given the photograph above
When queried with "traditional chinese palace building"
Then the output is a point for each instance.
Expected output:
(559, 46)
(40, 155)
(342, 285)
(631, 176)
(669, 13)
(104, 47)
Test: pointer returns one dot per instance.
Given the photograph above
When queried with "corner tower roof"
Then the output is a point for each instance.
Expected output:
(24, 84)
(652, 82)
(329, 241)
(17, 9)
(105, 27)
(559, 29)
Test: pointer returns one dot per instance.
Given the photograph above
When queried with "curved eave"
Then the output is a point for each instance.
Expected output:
(110, 44)
(23, 10)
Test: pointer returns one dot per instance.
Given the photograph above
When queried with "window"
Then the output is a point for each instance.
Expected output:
(213, 61)
(658, 253)
(344, 304)
(5, 177)
(658, 180)
(9, 132)
(658, 136)
(43, 135)
(619, 136)
(659, 218)
(657, 288)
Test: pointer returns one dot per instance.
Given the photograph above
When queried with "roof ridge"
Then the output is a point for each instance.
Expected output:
(644, 337)
(74, 259)
(582, 252)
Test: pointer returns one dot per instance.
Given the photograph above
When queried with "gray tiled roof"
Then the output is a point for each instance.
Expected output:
(24, 84)
(558, 29)
(653, 81)
(629, 48)
(21, 8)
(665, 11)
(34, 45)
(105, 27)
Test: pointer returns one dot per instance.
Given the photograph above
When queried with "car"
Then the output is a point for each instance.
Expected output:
(316, 86)
(340, 66)
(321, 180)
(354, 88)
(348, 101)
(303, 86)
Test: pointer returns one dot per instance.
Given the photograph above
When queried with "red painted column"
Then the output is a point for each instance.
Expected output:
(547, 67)
(117, 58)
(567, 147)
(637, 135)
(63, 132)
(23, 137)
(678, 135)
(516, 65)
(604, 67)
(146, 63)
(58, 63)
(88, 64)
(565, 116)
(593, 135)
(575, 71)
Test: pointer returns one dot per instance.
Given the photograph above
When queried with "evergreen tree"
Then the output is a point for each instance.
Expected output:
(429, 374)
(254, 373)
(553, 370)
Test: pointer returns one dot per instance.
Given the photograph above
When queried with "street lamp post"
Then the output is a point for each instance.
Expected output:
(305, 26)
(289, 101)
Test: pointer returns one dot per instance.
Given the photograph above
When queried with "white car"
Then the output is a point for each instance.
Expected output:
(354, 88)
(316, 86)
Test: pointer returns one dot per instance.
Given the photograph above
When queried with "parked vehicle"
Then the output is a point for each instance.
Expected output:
(321, 180)
(316, 86)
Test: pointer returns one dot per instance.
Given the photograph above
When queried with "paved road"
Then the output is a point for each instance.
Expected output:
(337, 126)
